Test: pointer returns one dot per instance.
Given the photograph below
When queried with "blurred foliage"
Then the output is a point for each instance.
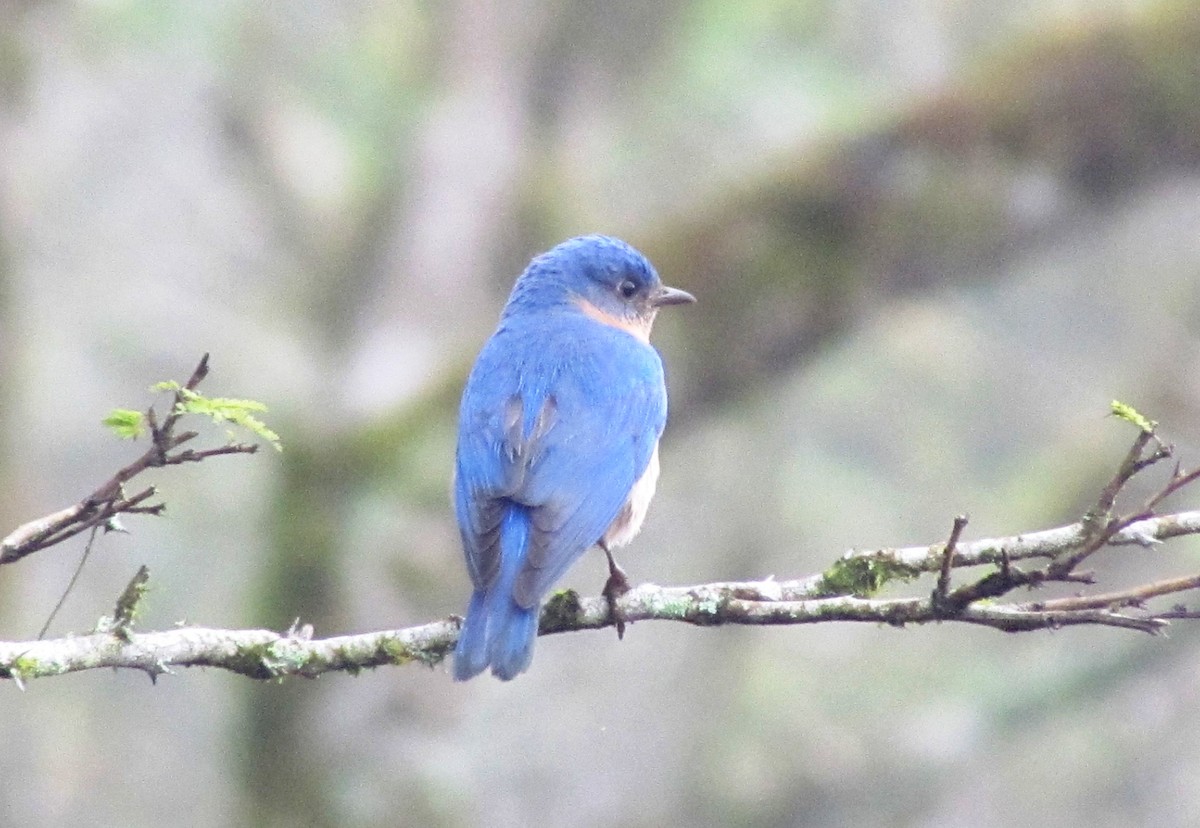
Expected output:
(963, 179)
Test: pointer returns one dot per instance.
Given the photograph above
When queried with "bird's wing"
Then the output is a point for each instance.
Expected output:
(564, 429)
(586, 476)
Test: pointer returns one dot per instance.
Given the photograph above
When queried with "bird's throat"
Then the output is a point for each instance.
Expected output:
(637, 327)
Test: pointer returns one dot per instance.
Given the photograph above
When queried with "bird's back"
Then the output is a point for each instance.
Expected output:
(606, 389)
(558, 436)
(560, 418)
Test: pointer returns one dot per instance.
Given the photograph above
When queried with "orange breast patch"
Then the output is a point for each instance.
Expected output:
(638, 328)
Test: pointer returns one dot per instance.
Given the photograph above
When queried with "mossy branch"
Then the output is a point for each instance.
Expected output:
(846, 591)
(263, 654)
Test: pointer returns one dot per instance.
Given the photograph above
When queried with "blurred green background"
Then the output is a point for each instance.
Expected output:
(931, 241)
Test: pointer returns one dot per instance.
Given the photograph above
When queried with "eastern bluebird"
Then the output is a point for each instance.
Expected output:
(557, 439)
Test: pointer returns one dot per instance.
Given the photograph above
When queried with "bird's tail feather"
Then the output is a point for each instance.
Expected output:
(498, 631)
(470, 656)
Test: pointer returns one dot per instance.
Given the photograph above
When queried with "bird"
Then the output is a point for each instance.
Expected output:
(558, 438)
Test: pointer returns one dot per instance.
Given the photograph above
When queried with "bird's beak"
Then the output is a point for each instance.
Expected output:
(671, 296)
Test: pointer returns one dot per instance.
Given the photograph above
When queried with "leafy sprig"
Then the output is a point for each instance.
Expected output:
(129, 425)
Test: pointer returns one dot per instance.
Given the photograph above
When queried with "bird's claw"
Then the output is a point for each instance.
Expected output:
(616, 586)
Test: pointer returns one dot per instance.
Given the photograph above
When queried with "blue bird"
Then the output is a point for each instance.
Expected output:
(557, 439)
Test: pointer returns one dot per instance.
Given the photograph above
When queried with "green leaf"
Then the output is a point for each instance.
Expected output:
(225, 409)
(1130, 414)
(220, 410)
(126, 424)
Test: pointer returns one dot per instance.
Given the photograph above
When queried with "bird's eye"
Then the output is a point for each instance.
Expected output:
(627, 288)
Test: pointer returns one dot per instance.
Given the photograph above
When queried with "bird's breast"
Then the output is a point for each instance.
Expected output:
(628, 521)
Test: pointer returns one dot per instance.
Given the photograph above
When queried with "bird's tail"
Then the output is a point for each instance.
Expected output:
(497, 631)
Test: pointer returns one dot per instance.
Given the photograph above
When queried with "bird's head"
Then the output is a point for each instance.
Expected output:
(602, 277)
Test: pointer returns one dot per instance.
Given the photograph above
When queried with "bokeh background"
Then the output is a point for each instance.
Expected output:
(931, 241)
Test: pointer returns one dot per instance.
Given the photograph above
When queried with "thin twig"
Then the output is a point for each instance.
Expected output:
(1179, 479)
(104, 513)
(1134, 597)
(108, 499)
(1101, 525)
(87, 550)
(942, 590)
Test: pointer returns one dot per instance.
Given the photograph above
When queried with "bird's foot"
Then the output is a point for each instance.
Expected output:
(616, 586)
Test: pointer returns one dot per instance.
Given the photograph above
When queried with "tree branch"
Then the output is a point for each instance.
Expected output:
(109, 499)
(263, 654)
(844, 592)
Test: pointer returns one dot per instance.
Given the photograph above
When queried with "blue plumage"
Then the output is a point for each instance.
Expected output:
(558, 437)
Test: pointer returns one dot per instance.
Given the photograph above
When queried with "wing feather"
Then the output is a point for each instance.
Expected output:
(570, 444)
